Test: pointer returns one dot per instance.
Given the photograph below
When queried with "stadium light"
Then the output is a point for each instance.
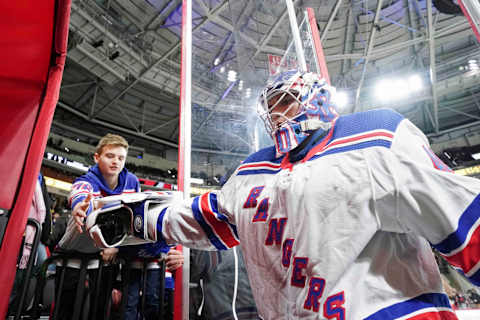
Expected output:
(390, 89)
(415, 82)
(395, 89)
(341, 100)
(472, 64)
(232, 76)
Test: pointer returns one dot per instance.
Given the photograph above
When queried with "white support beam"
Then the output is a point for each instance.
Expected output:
(85, 96)
(466, 114)
(347, 41)
(214, 16)
(162, 125)
(94, 101)
(332, 16)
(429, 114)
(368, 49)
(475, 98)
(296, 36)
(412, 23)
(433, 70)
(78, 84)
(266, 38)
(185, 151)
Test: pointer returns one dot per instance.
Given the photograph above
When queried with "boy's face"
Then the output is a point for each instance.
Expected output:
(111, 160)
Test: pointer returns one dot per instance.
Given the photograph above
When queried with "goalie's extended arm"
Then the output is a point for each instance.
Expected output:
(146, 217)
(127, 219)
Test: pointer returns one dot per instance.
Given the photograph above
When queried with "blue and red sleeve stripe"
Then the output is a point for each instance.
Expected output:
(429, 306)
(219, 231)
(462, 247)
(76, 198)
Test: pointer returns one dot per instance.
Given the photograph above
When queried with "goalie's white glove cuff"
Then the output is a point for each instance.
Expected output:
(146, 218)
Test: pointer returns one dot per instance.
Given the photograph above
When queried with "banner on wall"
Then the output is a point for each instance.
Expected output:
(158, 184)
(276, 65)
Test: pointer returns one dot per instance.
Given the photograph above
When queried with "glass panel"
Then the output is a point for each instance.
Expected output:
(236, 49)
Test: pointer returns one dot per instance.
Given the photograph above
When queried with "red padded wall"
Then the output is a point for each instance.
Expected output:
(25, 50)
(32, 56)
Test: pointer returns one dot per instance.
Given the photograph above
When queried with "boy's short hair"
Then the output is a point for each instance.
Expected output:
(112, 140)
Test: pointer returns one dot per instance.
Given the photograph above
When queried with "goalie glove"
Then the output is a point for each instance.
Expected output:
(128, 219)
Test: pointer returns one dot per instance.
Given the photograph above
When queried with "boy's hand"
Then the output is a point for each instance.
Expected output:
(174, 259)
(79, 213)
(109, 255)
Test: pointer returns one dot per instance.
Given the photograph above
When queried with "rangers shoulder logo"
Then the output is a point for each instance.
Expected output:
(138, 224)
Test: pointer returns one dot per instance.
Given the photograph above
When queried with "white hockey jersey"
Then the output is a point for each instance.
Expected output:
(345, 233)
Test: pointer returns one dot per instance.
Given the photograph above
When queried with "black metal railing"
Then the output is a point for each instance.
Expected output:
(96, 302)
(27, 278)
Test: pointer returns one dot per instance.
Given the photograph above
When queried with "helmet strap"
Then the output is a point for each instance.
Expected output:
(314, 124)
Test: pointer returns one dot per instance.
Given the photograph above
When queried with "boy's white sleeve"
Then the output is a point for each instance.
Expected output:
(416, 192)
(198, 223)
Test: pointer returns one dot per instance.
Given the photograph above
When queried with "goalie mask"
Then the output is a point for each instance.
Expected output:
(294, 105)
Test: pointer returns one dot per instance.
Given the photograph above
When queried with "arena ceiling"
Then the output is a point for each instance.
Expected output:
(123, 65)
